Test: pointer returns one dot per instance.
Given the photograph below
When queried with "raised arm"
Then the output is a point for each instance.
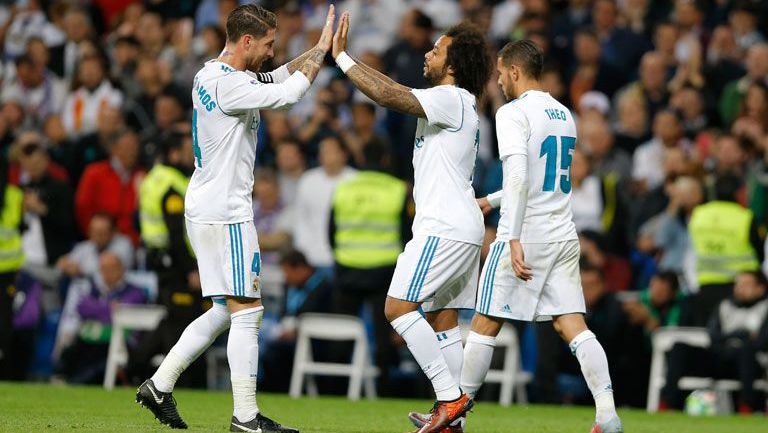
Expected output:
(380, 88)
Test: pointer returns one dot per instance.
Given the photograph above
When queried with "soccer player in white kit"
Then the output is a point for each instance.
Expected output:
(532, 270)
(439, 266)
(227, 96)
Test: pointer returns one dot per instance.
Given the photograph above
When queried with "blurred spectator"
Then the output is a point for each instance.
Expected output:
(404, 61)
(29, 21)
(667, 134)
(59, 145)
(689, 103)
(723, 59)
(111, 186)
(622, 48)
(737, 328)
(125, 56)
(632, 122)
(754, 106)
(659, 305)
(93, 92)
(370, 31)
(272, 217)
(154, 78)
(37, 90)
(615, 269)
(324, 122)
(591, 72)
(726, 241)
(27, 295)
(743, 21)
(65, 57)
(369, 226)
(95, 146)
(756, 64)
(651, 87)
(665, 43)
(83, 260)
(689, 16)
(307, 290)
(85, 328)
(11, 260)
(605, 159)
(671, 236)
(587, 203)
(291, 164)
(364, 130)
(314, 197)
(564, 26)
(48, 213)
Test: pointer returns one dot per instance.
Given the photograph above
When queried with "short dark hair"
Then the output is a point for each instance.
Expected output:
(376, 155)
(671, 278)
(524, 54)
(293, 258)
(172, 141)
(468, 56)
(726, 187)
(250, 19)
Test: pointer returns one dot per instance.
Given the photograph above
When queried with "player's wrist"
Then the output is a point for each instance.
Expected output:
(344, 61)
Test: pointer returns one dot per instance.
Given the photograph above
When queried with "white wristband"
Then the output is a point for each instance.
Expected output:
(344, 61)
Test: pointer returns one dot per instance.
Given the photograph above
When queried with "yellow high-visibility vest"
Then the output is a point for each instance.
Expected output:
(11, 252)
(367, 211)
(154, 232)
(719, 233)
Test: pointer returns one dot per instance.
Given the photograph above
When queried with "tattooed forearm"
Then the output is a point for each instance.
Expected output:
(381, 76)
(384, 91)
(296, 63)
(312, 63)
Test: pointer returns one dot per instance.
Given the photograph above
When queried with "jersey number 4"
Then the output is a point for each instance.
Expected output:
(549, 151)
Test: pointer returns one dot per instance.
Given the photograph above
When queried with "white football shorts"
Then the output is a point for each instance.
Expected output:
(438, 273)
(228, 258)
(554, 290)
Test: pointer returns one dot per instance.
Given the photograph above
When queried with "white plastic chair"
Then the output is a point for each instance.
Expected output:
(511, 377)
(663, 341)
(332, 327)
(128, 317)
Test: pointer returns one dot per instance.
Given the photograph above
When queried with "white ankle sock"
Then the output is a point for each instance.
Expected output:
(594, 367)
(478, 353)
(243, 356)
(193, 341)
(422, 343)
(453, 352)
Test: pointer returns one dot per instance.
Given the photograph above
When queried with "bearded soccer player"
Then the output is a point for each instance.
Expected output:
(227, 97)
(438, 268)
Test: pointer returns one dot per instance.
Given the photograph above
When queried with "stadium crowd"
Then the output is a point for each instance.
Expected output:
(670, 178)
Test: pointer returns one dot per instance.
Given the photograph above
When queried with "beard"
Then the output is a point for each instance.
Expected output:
(434, 77)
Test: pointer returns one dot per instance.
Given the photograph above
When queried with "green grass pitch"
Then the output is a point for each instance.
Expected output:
(32, 408)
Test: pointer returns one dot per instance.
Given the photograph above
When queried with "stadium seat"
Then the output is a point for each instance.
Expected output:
(511, 377)
(128, 318)
(663, 340)
(333, 327)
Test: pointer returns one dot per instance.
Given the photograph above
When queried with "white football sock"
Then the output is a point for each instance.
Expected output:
(450, 345)
(594, 367)
(422, 343)
(243, 356)
(193, 341)
(478, 353)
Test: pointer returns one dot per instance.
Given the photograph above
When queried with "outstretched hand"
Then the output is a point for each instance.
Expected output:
(326, 37)
(340, 38)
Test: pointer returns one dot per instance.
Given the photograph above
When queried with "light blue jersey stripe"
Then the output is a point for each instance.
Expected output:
(484, 286)
(487, 286)
(493, 279)
(425, 269)
(241, 268)
(232, 259)
(418, 269)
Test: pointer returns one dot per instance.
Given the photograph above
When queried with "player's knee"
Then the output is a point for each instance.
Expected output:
(443, 320)
(235, 304)
(394, 308)
(486, 325)
(569, 326)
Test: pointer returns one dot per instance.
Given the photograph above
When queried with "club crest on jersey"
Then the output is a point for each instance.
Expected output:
(205, 98)
(419, 142)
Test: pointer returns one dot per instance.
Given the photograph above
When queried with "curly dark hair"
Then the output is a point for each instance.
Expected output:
(468, 56)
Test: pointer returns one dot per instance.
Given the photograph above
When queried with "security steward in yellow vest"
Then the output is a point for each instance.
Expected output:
(161, 217)
(369, 225)
(726, 242)
(11, 260)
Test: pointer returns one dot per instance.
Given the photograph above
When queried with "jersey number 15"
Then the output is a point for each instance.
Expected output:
(549, 151)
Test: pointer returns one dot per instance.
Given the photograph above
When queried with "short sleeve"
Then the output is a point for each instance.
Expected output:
(443, 106)
(512, 131)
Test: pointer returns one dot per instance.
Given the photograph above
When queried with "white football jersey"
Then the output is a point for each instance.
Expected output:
(444, 155)
(543, 129)
(225, 121)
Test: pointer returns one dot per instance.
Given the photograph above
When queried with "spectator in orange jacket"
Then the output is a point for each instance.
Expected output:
(111, 186)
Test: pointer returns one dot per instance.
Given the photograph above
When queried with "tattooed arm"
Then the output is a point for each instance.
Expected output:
(312, 64)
